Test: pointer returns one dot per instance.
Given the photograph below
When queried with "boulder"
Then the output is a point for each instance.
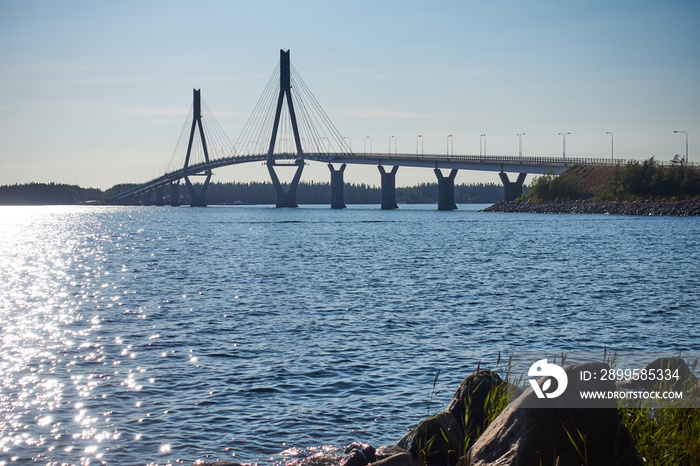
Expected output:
(400, 459)
(385, 451)
(667, 366)
(358, 454)
(475, 397)
(557, 435)
(438, 440)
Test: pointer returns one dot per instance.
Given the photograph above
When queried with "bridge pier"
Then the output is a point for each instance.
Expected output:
(175, 194)
(286, 198)
(159, 196)
(198, 199)
(149, 198)
(389, 187)
(512, 189)
(446, 190)
(337, 187)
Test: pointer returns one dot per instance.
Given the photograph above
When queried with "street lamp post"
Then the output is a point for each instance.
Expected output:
(563, 135)
(449, 137)
(420, 136)
(370, 145)
(350, 145)
(686, 144)
(612, 146)
(484, 136)
(390, 138)
(520, 145)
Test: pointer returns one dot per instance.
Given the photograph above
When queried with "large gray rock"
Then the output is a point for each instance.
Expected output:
(358, 454)
(471, 403)
(667, 366)
(385, 451)
(558, 435)
(399, 459)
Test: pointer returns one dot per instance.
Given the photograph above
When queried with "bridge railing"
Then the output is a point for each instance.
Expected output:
(498, 159)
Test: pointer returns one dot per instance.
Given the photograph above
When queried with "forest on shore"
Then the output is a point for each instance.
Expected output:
(637, 180)
(248, 193)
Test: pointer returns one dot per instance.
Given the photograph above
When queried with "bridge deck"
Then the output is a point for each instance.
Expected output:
(495, 163)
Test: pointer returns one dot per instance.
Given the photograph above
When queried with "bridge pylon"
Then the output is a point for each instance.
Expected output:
(285, 198)
(197, 197)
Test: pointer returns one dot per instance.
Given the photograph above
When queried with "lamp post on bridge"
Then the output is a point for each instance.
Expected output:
(520, 145)
(370, 145)
(394, 138)
(484, 136)
(686, 144)
(449, 137)
(612, 146)
(563, 135)
(344, 137)
(420, 136)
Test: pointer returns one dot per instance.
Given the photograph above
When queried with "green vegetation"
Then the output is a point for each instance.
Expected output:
(635, 181)
(662, 436)
(250, 193)
(665, 436)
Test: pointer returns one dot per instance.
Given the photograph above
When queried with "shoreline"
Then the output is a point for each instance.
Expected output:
(646, 208)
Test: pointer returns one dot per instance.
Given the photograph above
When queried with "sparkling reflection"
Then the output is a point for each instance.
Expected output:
(163, 336)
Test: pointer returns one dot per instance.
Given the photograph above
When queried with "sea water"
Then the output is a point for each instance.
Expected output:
(136, 335)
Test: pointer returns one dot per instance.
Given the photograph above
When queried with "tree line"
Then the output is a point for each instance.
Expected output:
(47, 194)
(248, 193)
(636, 180)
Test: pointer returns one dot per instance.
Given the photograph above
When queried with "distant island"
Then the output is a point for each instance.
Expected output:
(252, 193)
(637, 188)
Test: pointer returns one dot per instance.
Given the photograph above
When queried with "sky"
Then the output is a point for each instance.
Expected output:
(95, 93)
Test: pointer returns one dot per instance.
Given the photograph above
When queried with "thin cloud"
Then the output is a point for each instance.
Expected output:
(162, 111)
(382, 113)
(131, 80)
(168, 111)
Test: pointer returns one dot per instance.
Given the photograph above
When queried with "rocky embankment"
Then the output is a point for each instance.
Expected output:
(672, 208)
(554, 434)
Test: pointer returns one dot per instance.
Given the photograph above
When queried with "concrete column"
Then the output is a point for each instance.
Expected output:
(286, 198)
(175, 194)
(159, 196)
(446, 190)
(337, 187)
(389, 187)
(198, 199)
(512, 189)
(149, 197)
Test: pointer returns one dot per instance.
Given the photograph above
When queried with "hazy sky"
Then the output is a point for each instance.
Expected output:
(95, 92)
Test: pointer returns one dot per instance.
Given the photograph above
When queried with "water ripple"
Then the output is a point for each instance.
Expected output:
(274, 335)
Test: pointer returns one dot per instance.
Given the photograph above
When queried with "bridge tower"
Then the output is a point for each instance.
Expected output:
(286, 198)
(197, 198)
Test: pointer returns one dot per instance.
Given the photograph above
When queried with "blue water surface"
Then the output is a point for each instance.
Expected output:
(136, 335)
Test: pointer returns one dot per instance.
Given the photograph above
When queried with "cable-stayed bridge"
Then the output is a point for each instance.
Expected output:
(288, 127)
